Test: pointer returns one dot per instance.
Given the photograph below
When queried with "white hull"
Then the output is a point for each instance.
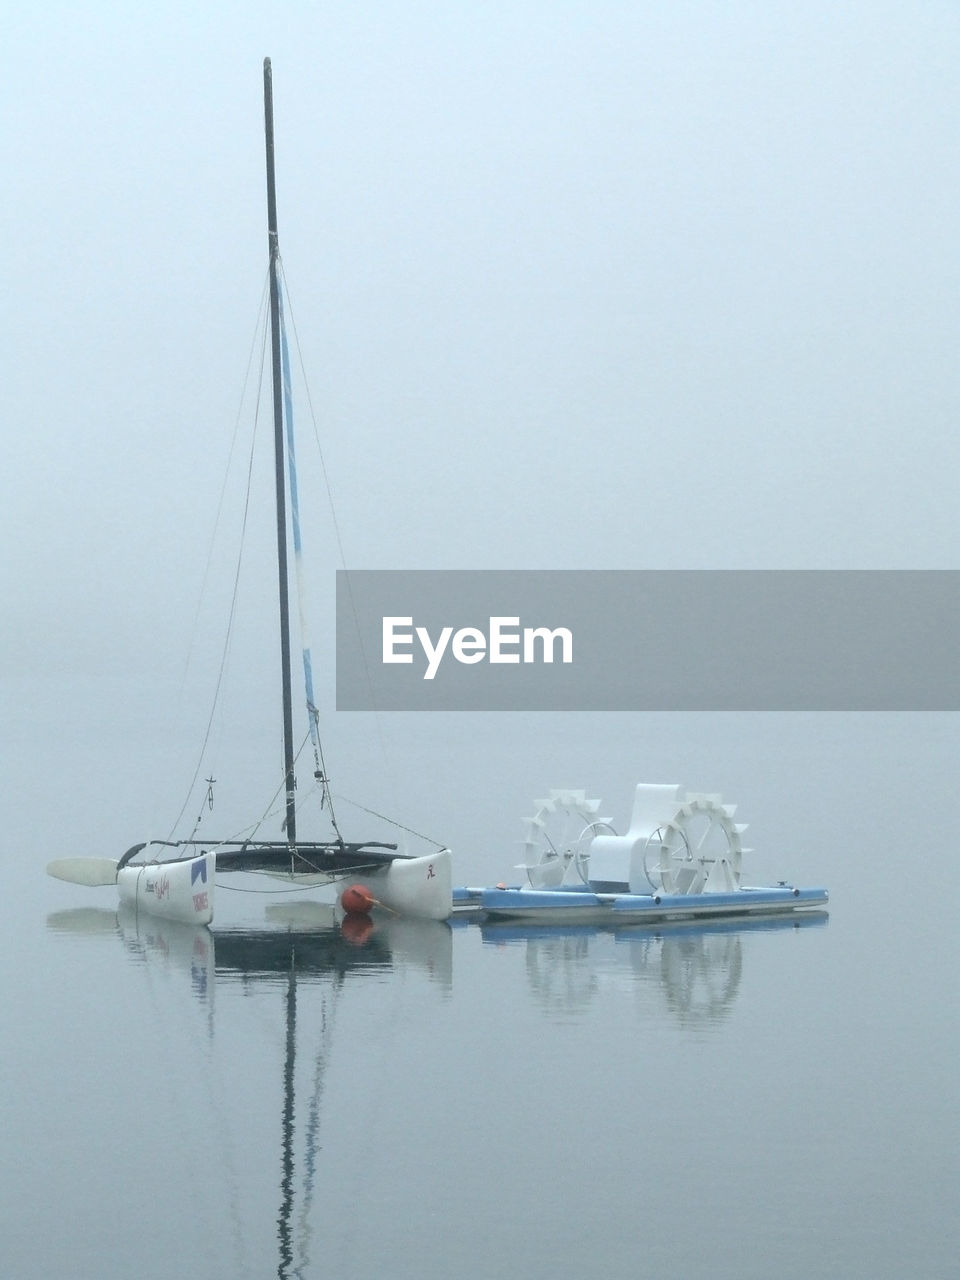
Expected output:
(417, 888)
(421, 888)
(181, 890)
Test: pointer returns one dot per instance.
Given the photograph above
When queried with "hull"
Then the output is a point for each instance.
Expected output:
(417, 887)
(181, 890)
(579, 907)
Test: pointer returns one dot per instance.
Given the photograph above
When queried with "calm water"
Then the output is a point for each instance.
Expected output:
(274, 1098)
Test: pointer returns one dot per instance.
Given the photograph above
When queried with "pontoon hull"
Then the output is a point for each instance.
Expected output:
(582, 907)
(417, 887)
(180, 889)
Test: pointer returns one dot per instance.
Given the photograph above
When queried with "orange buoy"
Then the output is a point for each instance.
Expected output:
(356, 900)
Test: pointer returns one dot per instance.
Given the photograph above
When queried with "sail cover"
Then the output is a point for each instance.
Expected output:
(295, 520)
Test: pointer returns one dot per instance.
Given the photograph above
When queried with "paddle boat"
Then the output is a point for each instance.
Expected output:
(680, 859)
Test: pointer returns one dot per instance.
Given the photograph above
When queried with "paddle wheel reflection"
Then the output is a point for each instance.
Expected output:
(693, 968)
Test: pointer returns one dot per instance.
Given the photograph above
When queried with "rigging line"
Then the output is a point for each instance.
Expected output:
(259, 327)
(292, 887)
(309, 796)
(312, 712)
(325, 792)
(257, 331)
(270, 811)
(313, 419)
(233, 602)
(393, 822)
(354, 613)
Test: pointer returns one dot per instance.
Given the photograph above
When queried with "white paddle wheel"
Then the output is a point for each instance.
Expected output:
(558, 837)
(700, 850)
(677, 843)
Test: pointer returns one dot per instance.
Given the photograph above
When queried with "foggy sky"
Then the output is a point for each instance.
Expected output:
(579, 286)
(605, 285)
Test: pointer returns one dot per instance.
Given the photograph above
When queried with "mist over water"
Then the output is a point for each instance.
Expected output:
(275, 1098)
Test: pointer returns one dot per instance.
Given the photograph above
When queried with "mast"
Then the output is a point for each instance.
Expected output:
(279, 459)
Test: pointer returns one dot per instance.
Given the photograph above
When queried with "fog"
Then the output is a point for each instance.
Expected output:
(603, 286)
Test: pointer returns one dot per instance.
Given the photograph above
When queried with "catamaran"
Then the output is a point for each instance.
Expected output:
(176, 879)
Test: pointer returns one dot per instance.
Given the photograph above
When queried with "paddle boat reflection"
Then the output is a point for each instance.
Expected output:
(692, 968)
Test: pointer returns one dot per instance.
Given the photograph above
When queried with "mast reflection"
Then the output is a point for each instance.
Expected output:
(304, 945)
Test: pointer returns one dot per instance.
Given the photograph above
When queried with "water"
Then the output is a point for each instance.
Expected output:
(275, 1099)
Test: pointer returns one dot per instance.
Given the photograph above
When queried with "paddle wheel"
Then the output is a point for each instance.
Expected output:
(700, 850)
(676, 843)
(558, 838)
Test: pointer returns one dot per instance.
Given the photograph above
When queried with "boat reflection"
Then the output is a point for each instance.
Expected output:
(302, 946)
(311, 939)
(693, 968)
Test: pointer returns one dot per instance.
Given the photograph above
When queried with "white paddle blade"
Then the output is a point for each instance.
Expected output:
(89, 871)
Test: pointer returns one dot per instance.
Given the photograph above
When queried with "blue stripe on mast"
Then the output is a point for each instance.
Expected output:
(295, 518)
(288, 416)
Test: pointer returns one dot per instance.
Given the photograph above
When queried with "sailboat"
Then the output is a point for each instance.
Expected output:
(175, 879)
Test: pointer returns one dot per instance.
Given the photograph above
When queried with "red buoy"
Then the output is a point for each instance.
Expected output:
(356, 899)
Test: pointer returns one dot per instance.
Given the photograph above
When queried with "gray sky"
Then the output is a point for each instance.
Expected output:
(579, 285)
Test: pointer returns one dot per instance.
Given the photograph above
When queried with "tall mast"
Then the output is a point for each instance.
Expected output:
(279, 458)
